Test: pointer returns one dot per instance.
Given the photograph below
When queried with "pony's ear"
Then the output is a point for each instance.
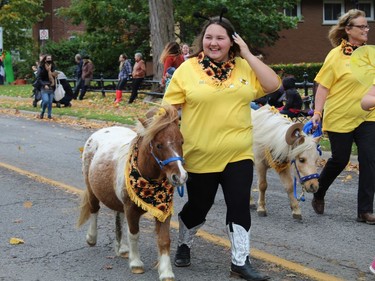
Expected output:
(293, 133)
(143, 122)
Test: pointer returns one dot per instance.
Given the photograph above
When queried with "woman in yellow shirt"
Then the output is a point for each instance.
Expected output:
(339, 94)
(214, 88)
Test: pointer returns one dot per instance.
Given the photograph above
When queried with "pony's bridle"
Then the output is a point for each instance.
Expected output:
(165, 162)
(301, 180)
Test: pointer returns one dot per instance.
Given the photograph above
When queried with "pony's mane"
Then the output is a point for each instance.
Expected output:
(158, 118)
(269, 130)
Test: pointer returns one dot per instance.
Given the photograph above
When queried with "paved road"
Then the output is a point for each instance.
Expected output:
(44, 216)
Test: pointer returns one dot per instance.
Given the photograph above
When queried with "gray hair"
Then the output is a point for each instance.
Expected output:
(138, 55)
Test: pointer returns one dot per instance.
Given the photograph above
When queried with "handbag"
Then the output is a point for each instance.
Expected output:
(59, 91)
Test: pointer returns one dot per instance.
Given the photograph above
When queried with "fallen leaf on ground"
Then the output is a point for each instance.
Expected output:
(16, 241)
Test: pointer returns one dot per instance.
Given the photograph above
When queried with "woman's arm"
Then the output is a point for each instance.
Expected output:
(320, 99)
(268, 79)
(368, 101)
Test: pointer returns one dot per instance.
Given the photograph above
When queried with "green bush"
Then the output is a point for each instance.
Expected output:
(298, 70)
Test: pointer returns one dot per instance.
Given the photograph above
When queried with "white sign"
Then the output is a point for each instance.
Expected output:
(43, 34)
(1, 39)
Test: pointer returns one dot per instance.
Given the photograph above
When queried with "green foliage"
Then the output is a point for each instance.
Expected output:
(63, 54)
(298, 70)
(16, 18)
(257, 21)
(113, 27)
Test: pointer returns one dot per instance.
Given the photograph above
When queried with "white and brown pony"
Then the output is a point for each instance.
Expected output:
(280, 144)
(134, 173)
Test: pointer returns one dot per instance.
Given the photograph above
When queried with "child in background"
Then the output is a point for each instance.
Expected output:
(168, 76)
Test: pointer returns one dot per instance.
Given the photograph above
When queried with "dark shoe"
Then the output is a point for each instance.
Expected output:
(49, 117)
(318, 206)
(182, 258)
(247, 272)
(58, 105)
(368, 218)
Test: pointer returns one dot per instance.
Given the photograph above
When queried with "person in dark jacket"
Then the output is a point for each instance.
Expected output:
(87, 75)
(78, 74)
(293, 103)
(45, 83)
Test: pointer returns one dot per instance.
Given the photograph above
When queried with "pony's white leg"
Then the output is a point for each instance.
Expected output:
(135, 263)
(162, 230)
(287, 181)
(92, 232)
(165, 268)
(262, 186)
(121, 246)
(124, 248)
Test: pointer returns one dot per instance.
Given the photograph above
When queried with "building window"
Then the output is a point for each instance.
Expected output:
(368, 8)
(332, 10)
(295, 11)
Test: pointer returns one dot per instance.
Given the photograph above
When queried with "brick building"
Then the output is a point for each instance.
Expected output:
(309, 41)
(57, 28)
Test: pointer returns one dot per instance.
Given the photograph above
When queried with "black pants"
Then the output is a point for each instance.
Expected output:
(136, 83)
(77, 88)
(341, 144)
(236, 180)
(121, 84)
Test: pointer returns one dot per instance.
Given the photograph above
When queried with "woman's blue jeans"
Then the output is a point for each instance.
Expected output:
(47, 99)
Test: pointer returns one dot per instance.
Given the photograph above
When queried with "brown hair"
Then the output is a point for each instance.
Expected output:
(171, 49)
(337, 32)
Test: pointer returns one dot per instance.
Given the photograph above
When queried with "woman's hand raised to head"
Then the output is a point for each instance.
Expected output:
(241, 43)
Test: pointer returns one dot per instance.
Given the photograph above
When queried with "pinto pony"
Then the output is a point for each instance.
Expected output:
(134, 173)
(280, 144)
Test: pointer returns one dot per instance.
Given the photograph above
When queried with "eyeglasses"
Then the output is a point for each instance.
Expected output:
(361, 27)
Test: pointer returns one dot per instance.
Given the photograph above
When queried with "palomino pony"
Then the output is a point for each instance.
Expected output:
(134, 173)
(280, 144)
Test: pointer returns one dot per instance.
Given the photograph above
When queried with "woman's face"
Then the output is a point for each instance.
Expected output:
(216, 43)
(121, 58)
(358, 31)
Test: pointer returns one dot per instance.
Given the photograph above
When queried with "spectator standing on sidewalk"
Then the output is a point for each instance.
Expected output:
(87, 75)
(138, 74)
(125, 71)
(78, 74)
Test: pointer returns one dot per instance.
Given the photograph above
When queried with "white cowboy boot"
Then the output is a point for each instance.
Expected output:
(185, 241)
(240, 247)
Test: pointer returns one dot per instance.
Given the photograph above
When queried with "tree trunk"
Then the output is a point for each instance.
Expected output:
(162, 31)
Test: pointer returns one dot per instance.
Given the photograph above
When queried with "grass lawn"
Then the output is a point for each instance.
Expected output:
(94, 106)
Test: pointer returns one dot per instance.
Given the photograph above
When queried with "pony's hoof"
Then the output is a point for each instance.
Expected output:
(138, 270)
(297, 217)
(253, 206)
(168, 279)
(262, 213)
(124, 255)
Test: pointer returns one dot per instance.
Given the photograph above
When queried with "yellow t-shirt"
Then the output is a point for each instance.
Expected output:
(342, 109)
(216, 120)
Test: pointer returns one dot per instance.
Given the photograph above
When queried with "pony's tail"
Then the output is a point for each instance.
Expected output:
(85, 209)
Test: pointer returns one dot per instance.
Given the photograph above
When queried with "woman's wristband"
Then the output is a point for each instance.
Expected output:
(318, 112)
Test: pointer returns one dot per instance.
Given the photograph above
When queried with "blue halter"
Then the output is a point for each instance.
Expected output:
(301, 180)
(165, 162)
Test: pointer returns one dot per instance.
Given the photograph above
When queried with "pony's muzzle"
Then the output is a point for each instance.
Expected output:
(178, 179)
(311, 186)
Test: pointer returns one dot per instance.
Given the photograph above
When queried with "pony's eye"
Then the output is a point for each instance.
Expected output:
(302, 160)
(159, 146)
